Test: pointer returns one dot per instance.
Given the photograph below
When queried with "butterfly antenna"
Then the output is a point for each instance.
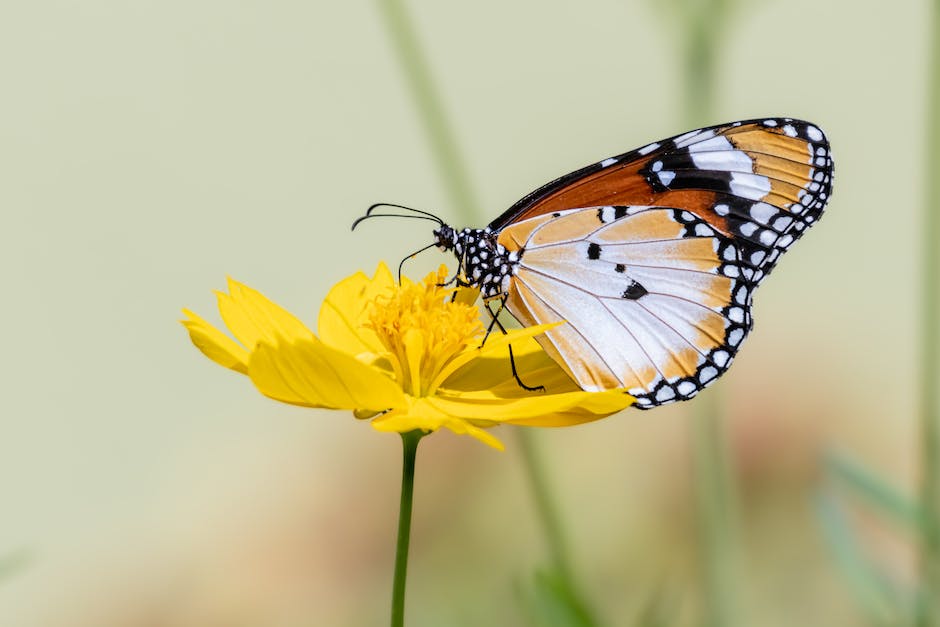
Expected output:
(412, 256)
(415, 213)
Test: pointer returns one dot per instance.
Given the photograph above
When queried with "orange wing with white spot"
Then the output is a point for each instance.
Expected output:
(653, 298)
(759, 182)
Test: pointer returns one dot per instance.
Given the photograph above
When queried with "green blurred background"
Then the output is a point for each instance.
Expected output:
(149, 149)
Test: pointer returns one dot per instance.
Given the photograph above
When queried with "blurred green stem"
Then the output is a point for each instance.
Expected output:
(548, 513)
(437, 127)
(553, 528)
(702, 30)
(716, 511)
(930, 351)
(410, 448)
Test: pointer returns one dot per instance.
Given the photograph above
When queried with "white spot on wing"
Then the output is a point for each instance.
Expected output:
(693, 136)
(717, 153)
(814, 133)
(752, 186)
(708, 373)
(608, 162)
(762, 212)
(720, 358)
(665, 177)
(665, 393)
(767, 237)
(645, 150)
(748, 228)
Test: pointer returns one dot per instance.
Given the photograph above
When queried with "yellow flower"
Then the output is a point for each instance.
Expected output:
(407, 356)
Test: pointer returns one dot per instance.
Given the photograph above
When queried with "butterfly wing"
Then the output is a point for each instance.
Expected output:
(759, 182)
(653, 297)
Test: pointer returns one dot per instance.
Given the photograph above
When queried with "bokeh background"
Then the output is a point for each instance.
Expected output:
(151, 148)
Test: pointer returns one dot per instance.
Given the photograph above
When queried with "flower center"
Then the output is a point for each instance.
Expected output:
(423, 329)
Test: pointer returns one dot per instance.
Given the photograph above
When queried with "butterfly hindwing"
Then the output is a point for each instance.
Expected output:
(653, 297)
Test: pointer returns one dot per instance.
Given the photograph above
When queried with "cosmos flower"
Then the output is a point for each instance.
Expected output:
(407, 356)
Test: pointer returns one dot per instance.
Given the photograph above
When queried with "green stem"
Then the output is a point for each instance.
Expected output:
(716, 511)
(712, 475)
(552, 526)
(544, 505)
(410, 448)
(930, 351)
(437, 127)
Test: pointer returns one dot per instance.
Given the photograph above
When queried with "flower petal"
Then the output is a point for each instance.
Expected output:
(462, 427)
(252, 318)
(494, 372)
(471, 354)
(535, 409)
(308, 372)
(345, 311)
(214, 344)
(421, 414)
(414, 342)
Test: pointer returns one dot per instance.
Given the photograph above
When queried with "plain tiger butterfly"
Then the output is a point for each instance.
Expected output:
(651, 258)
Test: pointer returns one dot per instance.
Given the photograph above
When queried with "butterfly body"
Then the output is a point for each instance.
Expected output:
(651, 258)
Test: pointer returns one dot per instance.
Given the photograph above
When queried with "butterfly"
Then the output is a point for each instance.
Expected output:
(651, 258)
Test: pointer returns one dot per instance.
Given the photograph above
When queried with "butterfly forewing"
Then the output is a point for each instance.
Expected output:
(761, 182)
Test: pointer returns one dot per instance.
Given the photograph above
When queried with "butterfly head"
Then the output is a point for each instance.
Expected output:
(446, 238)
(483, 262)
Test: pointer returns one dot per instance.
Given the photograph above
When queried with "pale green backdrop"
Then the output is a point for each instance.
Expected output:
(150, 149)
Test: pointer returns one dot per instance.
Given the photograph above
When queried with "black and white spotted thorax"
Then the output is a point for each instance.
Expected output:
(483, 262)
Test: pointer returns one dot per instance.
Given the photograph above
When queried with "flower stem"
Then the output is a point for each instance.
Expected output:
(703, 24)
(548, 513)
(410, 448)
(930, 351)
(716, 511)
(553, 529)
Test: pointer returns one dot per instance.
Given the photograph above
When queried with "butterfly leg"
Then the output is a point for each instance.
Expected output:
(494, 320)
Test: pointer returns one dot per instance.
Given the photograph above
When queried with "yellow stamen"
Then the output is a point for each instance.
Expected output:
(423, 330)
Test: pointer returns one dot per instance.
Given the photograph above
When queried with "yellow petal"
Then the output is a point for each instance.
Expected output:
(413, 342)
(345, 310)
(420, 414)
(496, 343)
(252, 318)
(214, 344)
(308, 372)
(466, 295)
(461, 427)
(537, 408)
(494, 372)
